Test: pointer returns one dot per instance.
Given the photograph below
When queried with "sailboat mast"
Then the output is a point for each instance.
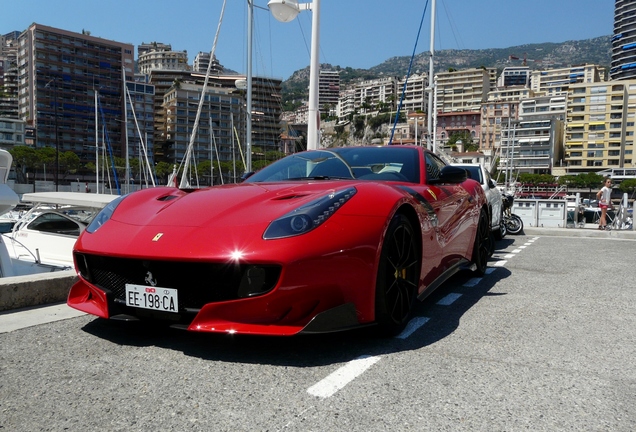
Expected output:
(429, 120)
(127, 170)
(248, 130)
(96, 146)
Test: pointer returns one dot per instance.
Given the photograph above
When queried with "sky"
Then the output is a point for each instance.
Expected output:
(353, 33)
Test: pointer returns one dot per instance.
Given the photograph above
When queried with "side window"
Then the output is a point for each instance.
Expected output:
(434, 166)
(54, 223)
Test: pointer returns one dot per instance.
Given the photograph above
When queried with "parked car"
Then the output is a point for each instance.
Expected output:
(318, 241)
(495, 203)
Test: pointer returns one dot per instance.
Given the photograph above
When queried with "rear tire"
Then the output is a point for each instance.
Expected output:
(398, 276)
(481, 248)
(501, 232)
(514, 224)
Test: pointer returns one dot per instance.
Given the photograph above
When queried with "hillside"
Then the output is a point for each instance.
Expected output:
(539, 56)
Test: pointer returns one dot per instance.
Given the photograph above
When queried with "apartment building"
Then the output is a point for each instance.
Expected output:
(369, 95)
(494, 114)
(346, 104)
(415, 95)
(449, 123)
(623, 64)
(328, 91)
(531, 146)
(9, 75)
(463, 90)
(59, 74)
(12, 132)
(202, 61)
(222, 111)
(515, 76)
(266, 108)
(557, 81)
(160, 57)
(600, 126)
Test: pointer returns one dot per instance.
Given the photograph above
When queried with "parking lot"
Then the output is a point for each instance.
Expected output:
(544, 341)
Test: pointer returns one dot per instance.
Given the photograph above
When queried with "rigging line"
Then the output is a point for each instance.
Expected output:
(184, 178)
(453, 27)
(408, 73)
(141, 140)
(304, 38)
(110, 149)
(218, 160)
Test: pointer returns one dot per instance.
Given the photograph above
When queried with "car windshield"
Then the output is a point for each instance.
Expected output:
(362, 163)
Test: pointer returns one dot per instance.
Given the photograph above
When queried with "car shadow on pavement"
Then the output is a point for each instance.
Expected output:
(308, 350)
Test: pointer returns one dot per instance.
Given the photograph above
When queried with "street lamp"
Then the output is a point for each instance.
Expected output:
(286, 11)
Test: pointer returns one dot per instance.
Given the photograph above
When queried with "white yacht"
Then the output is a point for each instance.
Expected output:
(47, 233)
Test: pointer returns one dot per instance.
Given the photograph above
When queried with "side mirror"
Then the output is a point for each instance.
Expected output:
(492, 184)
(246, 176)
(451, 174)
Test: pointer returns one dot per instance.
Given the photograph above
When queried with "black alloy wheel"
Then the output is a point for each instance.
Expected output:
(398, 276)
(483, 244)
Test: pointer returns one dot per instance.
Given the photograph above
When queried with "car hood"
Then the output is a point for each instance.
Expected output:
(246, 203)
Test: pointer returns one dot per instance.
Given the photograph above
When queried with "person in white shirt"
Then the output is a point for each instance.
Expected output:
(605, 202)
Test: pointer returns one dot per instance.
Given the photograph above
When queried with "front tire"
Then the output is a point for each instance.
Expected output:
(398, 276)
(481, 247)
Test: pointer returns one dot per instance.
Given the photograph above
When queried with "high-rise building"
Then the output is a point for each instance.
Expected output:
(624, 41)
(328, 90)
(9, 75)
(59, 74)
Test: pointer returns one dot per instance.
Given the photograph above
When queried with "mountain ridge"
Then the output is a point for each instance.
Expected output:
(547, 55)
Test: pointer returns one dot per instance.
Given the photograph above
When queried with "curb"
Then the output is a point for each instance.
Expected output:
(581, 232)
(34, 290)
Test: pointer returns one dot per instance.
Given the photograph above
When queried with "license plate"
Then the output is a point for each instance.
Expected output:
(155, 298)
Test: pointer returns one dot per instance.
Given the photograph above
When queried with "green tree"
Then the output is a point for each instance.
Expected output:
(466, 139)
(628, 186)
(163, 170)
(69, 163)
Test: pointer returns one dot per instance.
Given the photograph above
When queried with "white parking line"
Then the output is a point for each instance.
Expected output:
(413, 325)
(449, 299)
(516, 251)
(509, 256)
(500, 263)
(343, 376)
(15, 320)
(472, 282)
(489, 270)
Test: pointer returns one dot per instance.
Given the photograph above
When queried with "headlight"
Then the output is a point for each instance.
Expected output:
(103, 216)
(306, 218)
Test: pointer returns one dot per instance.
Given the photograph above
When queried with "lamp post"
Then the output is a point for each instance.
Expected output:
(286, 11)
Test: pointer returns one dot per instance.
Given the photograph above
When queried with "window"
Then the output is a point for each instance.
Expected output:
(434, 166)
(56, 224)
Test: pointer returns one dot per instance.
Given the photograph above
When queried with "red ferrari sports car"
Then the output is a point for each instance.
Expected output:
(318, 241)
